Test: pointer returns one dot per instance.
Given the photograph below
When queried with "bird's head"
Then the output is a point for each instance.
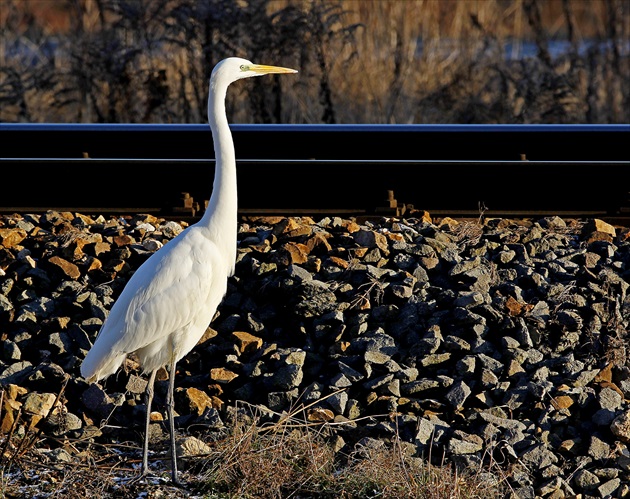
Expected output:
(235, 68)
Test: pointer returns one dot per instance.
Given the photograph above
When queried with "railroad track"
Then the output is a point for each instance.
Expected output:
(462, 171)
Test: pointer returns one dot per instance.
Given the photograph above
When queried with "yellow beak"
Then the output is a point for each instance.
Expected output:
(263, 70)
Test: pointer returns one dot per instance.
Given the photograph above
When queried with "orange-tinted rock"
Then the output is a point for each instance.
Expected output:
(318, 239)
(247, 342)
(222, 375)
(68, 268)
(123, 240)
(10, 238)
(296, 252)
(196, 400)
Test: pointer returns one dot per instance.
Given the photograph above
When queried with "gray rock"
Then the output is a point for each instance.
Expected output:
(585, 480)
(280, 401)
(458, 394)
(467, 299)
(5, 304)
(598, 449)
(465, 266)
(417, 324)
(10, 351)
(539, 456)
(60, 343)
(609, 488)
(315, 299)
(97, 401)
(285, 378)
(338, 402)
(620, 426)
(59, 455)
(425, 429)
(60, 423)
(15, 373)
(457, 447)
(609, 399)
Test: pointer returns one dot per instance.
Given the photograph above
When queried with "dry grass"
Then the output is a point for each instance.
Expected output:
(367, 61)
(292, 457)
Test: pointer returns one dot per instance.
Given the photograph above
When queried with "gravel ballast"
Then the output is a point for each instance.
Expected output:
(503, 341)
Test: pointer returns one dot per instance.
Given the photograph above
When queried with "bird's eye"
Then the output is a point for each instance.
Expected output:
(244, 67)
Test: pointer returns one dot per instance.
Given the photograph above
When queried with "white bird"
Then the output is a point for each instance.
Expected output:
(171, 299)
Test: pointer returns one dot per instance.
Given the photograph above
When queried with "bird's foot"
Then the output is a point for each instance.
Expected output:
(140, 478)
(146, 476)
(177, 482)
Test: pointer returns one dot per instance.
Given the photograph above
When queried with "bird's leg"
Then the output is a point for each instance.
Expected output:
(170, 404)
(147, 421)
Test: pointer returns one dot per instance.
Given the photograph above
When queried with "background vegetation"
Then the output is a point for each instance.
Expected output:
(360, 61)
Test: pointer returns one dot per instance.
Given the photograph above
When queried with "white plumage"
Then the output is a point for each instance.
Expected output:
(165, 307)
(169, 301)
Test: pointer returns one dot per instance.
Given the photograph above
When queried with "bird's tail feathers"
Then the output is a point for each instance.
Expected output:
(95, 369)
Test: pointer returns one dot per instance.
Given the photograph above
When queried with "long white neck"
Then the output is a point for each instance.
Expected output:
(221, 216)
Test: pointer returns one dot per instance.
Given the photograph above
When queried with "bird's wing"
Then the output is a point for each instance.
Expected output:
(167, 293)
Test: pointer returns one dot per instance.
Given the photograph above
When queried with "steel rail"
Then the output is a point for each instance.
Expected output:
(306, 162)
(278, 141)
(362, 169)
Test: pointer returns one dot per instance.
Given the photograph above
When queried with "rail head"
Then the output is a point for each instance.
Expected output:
(548, 168)
(323, 142)
(319, 128)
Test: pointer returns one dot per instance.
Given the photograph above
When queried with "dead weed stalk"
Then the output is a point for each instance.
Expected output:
(295, 457)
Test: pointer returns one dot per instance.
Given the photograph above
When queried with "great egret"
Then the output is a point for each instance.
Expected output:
(169, 301)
